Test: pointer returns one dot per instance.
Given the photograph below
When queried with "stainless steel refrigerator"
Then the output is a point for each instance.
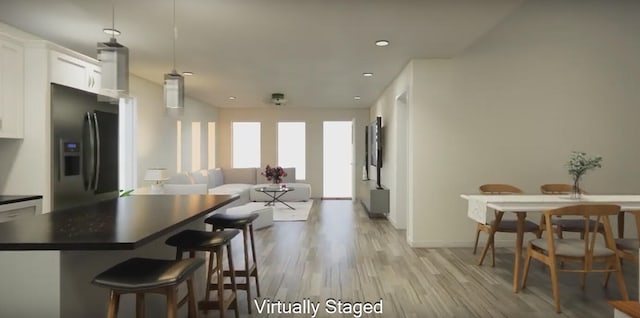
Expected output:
(85, 148)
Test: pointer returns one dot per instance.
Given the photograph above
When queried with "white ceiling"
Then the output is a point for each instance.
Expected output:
(313, 51)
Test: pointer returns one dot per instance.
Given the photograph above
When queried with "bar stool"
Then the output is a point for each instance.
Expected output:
(243, 222)
(145, 275)
(214, 243)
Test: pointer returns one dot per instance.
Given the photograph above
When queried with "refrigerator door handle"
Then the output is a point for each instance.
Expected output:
(89, 154)
(97, 152)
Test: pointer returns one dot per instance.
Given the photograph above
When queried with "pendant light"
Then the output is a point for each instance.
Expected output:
(114, 59)
(174, 82)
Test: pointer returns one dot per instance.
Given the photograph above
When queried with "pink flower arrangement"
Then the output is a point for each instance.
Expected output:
(274, 174)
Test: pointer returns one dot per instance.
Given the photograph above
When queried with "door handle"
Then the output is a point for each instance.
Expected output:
(97, 152)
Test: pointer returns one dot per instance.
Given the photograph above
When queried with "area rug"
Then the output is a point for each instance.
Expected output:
(281, 213)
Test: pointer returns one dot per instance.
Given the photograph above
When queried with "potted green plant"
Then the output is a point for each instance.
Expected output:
(579, 163)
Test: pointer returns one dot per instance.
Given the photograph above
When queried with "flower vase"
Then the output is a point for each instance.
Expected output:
(575, 190)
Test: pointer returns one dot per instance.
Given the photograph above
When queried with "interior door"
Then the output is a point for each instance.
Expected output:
(337, 159)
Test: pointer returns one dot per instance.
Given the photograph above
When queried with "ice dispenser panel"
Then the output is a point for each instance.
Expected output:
(70, 163)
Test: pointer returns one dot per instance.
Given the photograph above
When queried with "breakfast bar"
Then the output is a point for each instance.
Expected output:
(47, 261)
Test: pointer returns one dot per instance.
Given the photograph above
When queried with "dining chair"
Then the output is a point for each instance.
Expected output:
(505, 226)
(587, 251)
(628, 247)
(563, 224)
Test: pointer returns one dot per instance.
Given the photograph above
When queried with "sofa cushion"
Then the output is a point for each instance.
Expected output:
(290, 178)
(240, 175)
(181, 178)
(201, 177)
(216, 178)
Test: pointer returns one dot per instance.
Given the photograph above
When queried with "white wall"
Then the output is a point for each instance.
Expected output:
(157, 133)
(314, 118)
(392, 158)
(555, 76)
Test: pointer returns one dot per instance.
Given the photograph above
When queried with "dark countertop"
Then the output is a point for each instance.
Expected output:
(116, 224)
(6, 199)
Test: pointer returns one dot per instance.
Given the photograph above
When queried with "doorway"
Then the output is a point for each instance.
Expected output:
(337, 166)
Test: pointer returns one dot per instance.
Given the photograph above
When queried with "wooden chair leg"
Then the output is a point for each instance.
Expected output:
(255, 261)
(192, 312)
(220, 273)
(605, 281)
(525, 271)
(234, 288)
(475, 245)
(140, 306)
(486, 248)
(114, 304)
(247, 273)
(620, 279)
(554, 286)
(493, 252)
(172, 302)
(207, 290)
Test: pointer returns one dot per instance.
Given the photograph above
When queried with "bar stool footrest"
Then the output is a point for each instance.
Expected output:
(215, 304)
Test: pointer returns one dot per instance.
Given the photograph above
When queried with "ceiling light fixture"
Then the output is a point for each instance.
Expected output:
(187, 73)
(111, 31)
(382, 43)
(367, 74)
(278, 99)
(357, 97)
(174, 82)
(114, 59)
(232, 97)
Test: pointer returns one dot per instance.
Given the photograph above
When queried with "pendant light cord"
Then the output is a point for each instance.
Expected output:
(113, 19)
(175, 37)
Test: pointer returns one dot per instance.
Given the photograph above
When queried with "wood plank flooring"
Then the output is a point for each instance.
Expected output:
(340, 253)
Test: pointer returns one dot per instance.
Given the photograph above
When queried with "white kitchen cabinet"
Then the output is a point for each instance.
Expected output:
(13, 211)
(11, 88)
(74, 72)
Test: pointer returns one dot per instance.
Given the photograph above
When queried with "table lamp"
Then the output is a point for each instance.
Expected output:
(158, 175)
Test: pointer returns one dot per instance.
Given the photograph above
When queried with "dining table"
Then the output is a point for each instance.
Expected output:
(481, 208)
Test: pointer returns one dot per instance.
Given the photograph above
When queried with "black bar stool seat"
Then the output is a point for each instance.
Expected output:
(243, 222)
(231, 220)
(201, 240)
(145, 275)
(213, 242)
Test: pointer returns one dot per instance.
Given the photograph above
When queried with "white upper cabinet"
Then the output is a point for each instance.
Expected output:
(11, 88)
(73, 72)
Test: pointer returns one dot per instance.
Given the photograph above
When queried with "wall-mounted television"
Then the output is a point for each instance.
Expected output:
(375, 143)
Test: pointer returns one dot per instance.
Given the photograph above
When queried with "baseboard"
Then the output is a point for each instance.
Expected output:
(454, 244)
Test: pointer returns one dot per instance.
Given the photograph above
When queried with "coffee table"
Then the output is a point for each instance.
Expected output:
(275, 193)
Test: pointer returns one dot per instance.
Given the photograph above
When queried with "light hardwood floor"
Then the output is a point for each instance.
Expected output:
(340, 253)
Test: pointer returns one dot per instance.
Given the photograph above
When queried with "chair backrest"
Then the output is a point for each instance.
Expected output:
(600, 213)
(558, 188)
(496, 188)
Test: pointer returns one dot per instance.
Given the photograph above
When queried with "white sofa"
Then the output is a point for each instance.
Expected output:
(240, 181)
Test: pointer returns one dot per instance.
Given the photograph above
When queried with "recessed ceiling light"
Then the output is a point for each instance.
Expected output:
(111, 31)
(356, 97)
(187, 73)
(382, 43)
(367, 74)
(232, 97)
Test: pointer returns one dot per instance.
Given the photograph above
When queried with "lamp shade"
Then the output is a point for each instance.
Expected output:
(156, 174)
(173, 90)
(114, 58)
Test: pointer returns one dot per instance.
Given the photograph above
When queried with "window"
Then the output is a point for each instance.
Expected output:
(195, 146)
(211, 145)
(246, 144)
(292, 147)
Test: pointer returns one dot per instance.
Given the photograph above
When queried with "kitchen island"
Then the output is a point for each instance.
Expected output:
(47, 261)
